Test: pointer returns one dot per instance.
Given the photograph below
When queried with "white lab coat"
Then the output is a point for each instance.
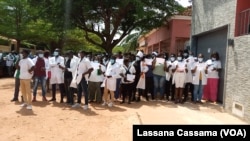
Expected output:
(57, 74)
(189, 75)
(201, 67)
(114, 71)
(73, 65)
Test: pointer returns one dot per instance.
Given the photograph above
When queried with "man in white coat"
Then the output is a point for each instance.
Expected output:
(69, 72)
(83, 70)
(57, 76)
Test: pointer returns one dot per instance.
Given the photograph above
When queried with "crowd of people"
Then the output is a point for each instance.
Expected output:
(106, 79)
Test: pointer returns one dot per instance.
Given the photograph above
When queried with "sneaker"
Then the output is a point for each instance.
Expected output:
(85, 107)
(110, 104)
(104, 103)
(23, 105)
(29, 107)
(76, 105)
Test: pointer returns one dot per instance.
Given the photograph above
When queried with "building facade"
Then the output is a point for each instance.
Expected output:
(171, 37)
(224, 26)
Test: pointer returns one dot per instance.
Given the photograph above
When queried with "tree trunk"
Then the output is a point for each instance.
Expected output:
(18, 44)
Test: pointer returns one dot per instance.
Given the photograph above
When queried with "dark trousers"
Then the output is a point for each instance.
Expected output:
(68, 90)
(126, 91)
(17, 87)
(189, 87)
(149, 88)
(82, 87)
(61, 88)
(170, 89)
(117, 91)
(134, 89)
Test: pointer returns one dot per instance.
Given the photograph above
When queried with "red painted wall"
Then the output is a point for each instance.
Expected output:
(241, 6)
(177, 28)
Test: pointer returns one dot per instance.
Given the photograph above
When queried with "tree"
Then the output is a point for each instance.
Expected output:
(112, 20)
(15, 16)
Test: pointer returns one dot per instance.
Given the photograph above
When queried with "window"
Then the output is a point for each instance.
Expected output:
(244, 22)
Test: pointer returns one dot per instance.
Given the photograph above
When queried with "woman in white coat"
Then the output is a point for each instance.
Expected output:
(112, 72)
(200, 79)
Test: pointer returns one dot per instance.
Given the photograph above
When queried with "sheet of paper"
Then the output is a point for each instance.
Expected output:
(130, 77)
(119, 61)
(148, 61)
(95, 65)
(160, 61)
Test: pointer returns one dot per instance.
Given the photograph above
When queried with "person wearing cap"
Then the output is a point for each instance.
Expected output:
(39, 75)
(56, 64)
(26, 67)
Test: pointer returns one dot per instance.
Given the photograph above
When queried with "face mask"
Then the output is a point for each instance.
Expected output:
(21, 56)
(179, 58)
(40, 55)
(112, 61)
(130, 63)
(200, 59)
(66, 58)
(56, 53)
(79, 55)
(172, 59)
(185, 54)
(95, 61)
(137, 58)
(213, 59)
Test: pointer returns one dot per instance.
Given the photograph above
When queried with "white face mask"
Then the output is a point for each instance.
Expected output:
(21, 56)
(66, 58)
(200, 59)
(40, 55)
(130, 63)
(137, 58)
(172, 59)
(95, 61)
(79, 55)
(213, 59)
(56, 53)
(179, 58)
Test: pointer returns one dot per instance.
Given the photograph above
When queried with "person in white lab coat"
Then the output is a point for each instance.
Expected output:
(83, 69)
(57, 76)
(189, 87)
(199, 78)
(111, 74)
(69, 72)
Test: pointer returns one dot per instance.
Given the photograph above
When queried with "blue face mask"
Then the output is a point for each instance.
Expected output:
(56, 53)
(112, 61)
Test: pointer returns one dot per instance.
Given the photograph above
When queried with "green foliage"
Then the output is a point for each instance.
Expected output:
(118, 49)
(4, 42)
(92, 25)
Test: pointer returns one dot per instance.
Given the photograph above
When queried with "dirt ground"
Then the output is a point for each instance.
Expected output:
(54, 121)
